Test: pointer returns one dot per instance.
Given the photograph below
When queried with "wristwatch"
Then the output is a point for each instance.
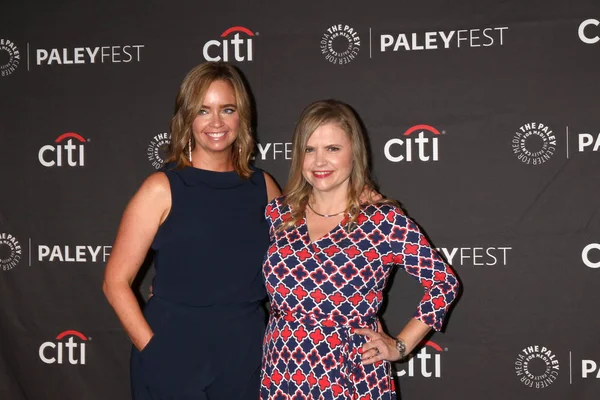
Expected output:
(401, 347)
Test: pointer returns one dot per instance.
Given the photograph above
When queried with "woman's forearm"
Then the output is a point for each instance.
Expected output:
(122, 299)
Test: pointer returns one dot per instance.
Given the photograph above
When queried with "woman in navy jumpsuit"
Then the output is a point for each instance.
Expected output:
(200, 334)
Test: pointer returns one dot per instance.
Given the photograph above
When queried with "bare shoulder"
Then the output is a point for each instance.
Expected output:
(153, 197)
(156, 188)
(273, 189)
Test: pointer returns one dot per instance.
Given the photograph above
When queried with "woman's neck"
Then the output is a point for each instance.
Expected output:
(212, 162)
(329, 202)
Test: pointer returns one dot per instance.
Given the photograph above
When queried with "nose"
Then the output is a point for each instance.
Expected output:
(320, 158)
(216, 119)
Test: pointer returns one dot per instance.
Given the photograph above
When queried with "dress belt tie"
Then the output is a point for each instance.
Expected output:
(351, 342)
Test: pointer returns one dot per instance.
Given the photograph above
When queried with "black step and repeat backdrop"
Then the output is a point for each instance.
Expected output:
(483, 118)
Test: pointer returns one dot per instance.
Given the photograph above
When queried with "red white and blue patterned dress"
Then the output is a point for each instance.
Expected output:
(320, 290)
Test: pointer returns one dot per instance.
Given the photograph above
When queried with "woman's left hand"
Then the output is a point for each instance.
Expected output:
(379, 347)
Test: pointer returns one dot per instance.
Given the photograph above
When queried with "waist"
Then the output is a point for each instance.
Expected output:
(213, 309)
(314, 318)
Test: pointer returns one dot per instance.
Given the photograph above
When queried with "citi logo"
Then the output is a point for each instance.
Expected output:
(63, 351)
(220, 50)
(587, 33)
(430, 364)
(64, 151)
(419, 146)
(585, 255)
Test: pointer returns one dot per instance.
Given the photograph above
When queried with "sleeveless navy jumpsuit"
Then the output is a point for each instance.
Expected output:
(206, 312)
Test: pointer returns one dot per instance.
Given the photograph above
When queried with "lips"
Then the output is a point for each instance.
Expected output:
(215, 135)
(321, 174)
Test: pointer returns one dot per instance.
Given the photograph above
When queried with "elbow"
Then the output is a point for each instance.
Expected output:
(106, 289)
(111, 288)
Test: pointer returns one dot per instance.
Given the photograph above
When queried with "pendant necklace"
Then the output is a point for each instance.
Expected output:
(324, 215)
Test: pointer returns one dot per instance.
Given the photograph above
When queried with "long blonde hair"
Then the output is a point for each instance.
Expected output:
(188, 104)
(298, 190)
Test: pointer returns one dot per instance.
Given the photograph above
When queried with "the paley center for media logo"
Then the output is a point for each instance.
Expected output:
(158, 149)
(10, 57)
(534, 143)
(340, 44)
(537, 366)
(10, 251)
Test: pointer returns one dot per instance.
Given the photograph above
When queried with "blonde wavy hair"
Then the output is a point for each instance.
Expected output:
(298, 190)
(188, 104)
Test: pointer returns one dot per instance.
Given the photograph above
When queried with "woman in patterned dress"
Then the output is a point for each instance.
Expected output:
(328, 263)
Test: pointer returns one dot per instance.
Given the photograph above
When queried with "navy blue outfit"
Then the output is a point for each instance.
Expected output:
(206, 312)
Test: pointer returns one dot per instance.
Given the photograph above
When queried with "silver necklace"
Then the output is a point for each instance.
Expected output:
(324, 215)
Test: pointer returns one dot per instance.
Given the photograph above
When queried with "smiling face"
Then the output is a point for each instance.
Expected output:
(216, 126)
(328, 159)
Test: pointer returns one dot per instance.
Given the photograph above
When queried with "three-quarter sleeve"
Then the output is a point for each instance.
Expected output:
(412, 252)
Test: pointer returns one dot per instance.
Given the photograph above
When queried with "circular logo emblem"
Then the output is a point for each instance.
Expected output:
(10, 251)
(340, 44)
(534, 143)
(158, 149)
(9, 57)
(537, 367)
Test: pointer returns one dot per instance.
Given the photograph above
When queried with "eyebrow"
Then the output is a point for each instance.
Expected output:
(223, 106)
(327, 145)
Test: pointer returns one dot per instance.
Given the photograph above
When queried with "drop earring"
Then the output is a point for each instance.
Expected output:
(190, 149)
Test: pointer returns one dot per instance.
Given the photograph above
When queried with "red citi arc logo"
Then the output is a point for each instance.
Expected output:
(220, 50)
(430, 364)
(426, 148)
(51, 155)
(62, 351)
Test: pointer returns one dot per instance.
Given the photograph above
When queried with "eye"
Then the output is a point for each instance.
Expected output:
(309, 150)
(203, 112)
(229, 110)
(333, 148)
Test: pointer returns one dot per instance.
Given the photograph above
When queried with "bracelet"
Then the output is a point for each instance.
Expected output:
(401, 347)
